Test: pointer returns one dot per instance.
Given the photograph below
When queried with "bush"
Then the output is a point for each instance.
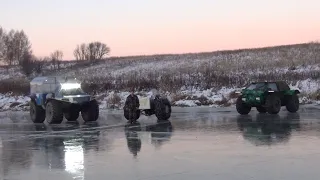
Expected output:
(15, 86)
(233, 95)
(223, 102)
(113, 100)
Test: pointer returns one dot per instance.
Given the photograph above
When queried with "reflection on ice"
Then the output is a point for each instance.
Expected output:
(160, 133)
(74, 160)
(267, 129)
(206, 143)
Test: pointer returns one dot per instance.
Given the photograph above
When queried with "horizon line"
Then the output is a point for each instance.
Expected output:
(214, 51)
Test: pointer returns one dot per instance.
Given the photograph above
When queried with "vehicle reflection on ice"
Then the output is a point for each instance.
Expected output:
(160, 133)
(66, 151)
(268, 129)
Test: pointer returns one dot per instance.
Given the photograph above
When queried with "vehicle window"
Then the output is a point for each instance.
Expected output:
(283, 86)
(256, 86)
(272, 87)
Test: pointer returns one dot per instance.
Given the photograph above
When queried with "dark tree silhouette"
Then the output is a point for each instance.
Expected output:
(92, 51)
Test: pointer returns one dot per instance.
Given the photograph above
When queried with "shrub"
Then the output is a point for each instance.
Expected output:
(113, 99)
(15, 86)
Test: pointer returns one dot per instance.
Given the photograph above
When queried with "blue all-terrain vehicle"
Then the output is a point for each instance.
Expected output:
(53, 98)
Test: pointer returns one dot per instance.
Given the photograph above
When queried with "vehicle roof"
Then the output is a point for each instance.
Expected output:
(256, 82)
(42, 79)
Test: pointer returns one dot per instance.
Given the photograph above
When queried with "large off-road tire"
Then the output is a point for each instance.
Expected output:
(273, 104)
(72, 115)
(241, 107)
(293, 103)
(90, 111)
(261, 109)
(37, 113)
(54, 113)
(126, 113)
(162, 109)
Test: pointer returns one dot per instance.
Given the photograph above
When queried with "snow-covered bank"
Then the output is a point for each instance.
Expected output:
(10, 102)
(310, 94)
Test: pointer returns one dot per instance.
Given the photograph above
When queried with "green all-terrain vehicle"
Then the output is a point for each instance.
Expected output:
(267, 97)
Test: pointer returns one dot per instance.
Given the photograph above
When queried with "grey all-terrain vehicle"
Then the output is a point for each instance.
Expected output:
(268, 97)
(155, 105)
(53, 98)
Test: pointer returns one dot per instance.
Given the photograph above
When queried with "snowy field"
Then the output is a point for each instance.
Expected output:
(202, 79)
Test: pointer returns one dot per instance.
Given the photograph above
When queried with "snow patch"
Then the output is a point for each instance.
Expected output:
(13, 102)
(187, 103)
(307, 86)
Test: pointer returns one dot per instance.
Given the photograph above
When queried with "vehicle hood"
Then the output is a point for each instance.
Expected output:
(246, 92)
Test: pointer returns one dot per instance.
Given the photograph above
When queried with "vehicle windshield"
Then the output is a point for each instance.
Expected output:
(263, 86)
(257, 86)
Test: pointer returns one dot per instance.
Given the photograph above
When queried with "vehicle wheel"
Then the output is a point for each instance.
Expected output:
(241, 107)
(273, 104)
(54, 114)
(37, 113)
(90, 111)
(126, 113)
(163, 109)
(261, 109)
(72, 115)
(293, 103)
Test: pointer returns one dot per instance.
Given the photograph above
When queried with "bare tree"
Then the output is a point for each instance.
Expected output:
(84, 51)
(2, 43)
(39, 64)
(9, 47)
(56, 58)
(16, 44)
(92, 51)
(27, 63)
(22, 45)
(97, 50)
(77, 53)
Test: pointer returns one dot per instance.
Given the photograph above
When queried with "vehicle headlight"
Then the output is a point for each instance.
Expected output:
(258, 98)
(66, 86)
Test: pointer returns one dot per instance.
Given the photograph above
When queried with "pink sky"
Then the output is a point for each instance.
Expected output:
(144, 27)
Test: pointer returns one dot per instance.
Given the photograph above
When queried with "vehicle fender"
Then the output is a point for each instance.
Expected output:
(49, 96)
(292, 92)
(33, 97)
(37, 98)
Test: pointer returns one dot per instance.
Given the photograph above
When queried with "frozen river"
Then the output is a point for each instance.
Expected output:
(197, 143)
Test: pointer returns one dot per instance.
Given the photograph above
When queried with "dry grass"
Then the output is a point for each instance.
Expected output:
(114, 99)
(15, 86)
(223, 102)
(233, 95)
(205, 101)
(314, 96)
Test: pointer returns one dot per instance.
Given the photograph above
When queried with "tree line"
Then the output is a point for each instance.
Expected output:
(16, 49)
